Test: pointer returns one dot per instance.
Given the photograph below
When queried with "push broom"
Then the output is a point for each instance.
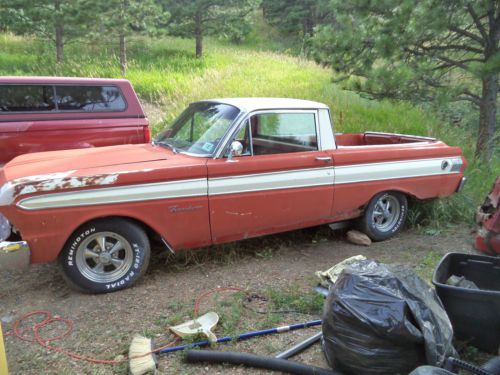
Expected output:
(142, 355)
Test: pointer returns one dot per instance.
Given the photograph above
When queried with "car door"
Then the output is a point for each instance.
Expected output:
(281, 181)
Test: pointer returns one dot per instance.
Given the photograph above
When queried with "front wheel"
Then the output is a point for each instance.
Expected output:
(105, 256)
(384, 216)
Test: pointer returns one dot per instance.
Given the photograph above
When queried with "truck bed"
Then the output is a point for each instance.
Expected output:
(377, 139)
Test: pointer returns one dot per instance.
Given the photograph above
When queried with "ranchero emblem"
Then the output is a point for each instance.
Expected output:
(176, 208)
(444, 164)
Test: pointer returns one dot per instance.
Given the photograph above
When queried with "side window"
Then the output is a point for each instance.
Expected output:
(275, 133)
(26, 98)
(90, 98)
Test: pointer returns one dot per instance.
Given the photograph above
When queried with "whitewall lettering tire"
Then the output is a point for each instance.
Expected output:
(384, 216)
(105, 255)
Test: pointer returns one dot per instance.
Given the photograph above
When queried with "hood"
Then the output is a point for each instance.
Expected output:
(58, 171)
(59, 161)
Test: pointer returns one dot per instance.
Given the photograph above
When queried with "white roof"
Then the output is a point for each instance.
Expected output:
(254, 104)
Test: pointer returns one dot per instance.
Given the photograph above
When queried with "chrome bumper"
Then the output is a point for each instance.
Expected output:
(14, 255)
(461, 184)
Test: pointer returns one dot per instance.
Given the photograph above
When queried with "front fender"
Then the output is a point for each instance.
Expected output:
(47, 230)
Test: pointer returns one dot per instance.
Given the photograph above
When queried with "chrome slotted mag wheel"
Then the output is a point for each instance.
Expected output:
(104, 257)
(386, 213)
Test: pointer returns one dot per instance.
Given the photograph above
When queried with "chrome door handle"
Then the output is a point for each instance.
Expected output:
(324, 158)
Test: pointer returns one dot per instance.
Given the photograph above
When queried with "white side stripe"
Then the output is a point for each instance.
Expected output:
(132, 193)
(271, 181)
(247, 183)
(397, 169)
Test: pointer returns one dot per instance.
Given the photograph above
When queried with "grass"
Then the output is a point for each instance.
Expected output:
(238, 314)
(167, 78)
(427, 265)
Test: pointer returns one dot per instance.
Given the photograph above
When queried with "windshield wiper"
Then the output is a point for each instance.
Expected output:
(166, 144)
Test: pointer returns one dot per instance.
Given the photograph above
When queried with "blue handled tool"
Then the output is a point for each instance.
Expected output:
(140, 362)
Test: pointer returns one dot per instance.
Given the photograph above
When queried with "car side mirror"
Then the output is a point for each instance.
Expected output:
(236, 149)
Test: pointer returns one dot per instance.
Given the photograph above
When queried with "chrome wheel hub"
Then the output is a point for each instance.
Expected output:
(104, 257)
(386, 213)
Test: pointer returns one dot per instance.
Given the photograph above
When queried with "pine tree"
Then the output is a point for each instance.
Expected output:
(56, 20)
(297, 17)
(122, 17)
(198, 18)
(426, 50)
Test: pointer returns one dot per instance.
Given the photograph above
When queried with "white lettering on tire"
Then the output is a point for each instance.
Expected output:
(75, 243)
(129, 276)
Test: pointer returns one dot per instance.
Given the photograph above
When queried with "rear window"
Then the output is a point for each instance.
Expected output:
(26, 98)
(61, 98)
(89, 98)
(287, 124)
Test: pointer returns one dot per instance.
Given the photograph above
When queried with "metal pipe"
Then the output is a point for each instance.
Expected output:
(242, 336)
(300, 346)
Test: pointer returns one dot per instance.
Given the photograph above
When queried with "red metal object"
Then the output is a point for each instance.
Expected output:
(187, 222)
(488, 218)
(27, 132)
(213, 200)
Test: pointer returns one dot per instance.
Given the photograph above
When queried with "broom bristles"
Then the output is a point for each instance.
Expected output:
(139, 361)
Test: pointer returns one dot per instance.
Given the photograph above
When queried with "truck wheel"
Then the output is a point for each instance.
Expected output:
(384, 216)
(105, 256)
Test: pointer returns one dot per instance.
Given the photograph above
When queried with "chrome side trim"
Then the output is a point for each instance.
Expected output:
(392, 170)
(403, 135)
(289, 179)
(271, 181)
(456, 164)
(461, 184)
(131, 193)
(167, 245)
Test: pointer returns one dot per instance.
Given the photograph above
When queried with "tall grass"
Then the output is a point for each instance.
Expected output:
(167, 77)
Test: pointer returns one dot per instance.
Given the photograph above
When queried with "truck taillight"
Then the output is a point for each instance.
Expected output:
(147, 134)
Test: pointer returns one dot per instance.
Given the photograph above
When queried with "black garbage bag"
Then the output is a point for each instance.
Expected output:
(384, 319)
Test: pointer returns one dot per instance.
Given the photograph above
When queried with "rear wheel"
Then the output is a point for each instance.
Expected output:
(384, 216)
(105, 255)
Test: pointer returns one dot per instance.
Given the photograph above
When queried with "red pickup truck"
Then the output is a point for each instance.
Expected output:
(227, 169)
(49, 113)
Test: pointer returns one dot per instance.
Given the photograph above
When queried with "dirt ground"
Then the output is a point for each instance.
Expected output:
(105, 324)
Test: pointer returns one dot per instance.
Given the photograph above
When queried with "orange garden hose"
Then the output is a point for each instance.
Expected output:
(32, 334)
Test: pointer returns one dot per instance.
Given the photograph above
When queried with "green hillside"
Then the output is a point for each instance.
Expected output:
(167, 77)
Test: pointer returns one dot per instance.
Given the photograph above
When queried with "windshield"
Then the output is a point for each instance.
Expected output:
(199, 129)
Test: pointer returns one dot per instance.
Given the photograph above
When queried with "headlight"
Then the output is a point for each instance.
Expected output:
(5, 228)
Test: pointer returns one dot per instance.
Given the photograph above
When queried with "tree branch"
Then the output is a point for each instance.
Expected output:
(460, 64)
(477, 21)
(467, 99)
(458, 47)
(472, 95)
(467, 34)
(432, 83)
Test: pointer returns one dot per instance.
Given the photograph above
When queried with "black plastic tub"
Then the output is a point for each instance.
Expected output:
(474, 314)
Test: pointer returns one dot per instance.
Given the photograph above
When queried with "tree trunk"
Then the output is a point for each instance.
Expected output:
(59, 44)
(488, 103)
(487, 118)
(123, 54)
(198, 33)
(59, 30)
